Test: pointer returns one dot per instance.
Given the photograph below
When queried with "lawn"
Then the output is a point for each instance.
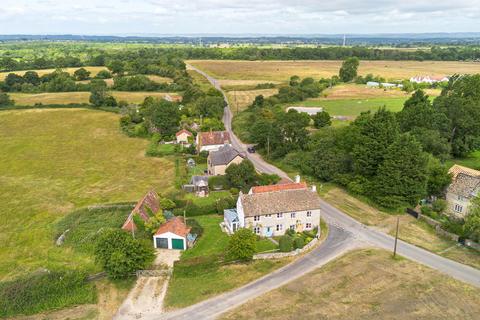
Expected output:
(93, 70)
(267, 71)
(366, 284)
(54, 161)
(201, 272)
(353, 107)
(471, 161)
(411, 230)
(29, 99)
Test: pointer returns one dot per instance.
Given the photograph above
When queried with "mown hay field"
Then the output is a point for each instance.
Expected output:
(266, 71)
(239, 100)
(54, 161)
(94, 71)
(29, 99)
(366, 284)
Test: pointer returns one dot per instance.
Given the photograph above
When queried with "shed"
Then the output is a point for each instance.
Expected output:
(172, 235)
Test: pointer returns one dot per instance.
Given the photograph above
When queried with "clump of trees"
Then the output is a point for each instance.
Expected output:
(348, 71)
(5, 100)
(243, 176)
(121, 255)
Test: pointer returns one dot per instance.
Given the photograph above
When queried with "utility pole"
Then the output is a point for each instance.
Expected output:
(268, 147)
(396, 239)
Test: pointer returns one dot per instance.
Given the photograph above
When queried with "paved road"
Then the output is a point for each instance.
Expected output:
(337, 243)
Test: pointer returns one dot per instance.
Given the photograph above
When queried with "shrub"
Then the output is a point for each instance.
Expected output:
(234, 191)
(439, 205)
(120, 254)
(217, 182)
(242, 245)
(285, 243)
(298, 243)
(427, 211)
(45, 291)
(196, 227)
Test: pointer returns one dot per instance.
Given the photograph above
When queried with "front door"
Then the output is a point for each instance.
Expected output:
(234, 227)
(177, 244)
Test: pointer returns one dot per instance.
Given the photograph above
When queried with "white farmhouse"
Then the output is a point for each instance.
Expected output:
(272, 210)
(464, 187)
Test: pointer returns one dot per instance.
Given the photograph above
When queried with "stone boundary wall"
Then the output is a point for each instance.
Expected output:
(280, 255)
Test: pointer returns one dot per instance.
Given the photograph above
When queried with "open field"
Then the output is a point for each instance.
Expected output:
(29, 99)
(366, 284)
(471, 161)
(93, 70)
(54, 161)
(361, 91)
(353, 107)
(282, 70)
(411, 230)
(243, 99)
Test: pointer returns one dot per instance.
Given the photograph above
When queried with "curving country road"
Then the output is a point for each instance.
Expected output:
(345, 233)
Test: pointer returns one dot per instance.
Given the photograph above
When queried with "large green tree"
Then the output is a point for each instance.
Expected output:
(120, 254)
(82, 74)
(161, 116)
(321, 119)
(242, 175)
(402, 176)
(349, 68)
(460, 103)
(242, 245)
(372, 136)
(5, 100)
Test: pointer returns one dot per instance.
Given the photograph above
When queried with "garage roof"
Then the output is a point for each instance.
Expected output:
(175, 226)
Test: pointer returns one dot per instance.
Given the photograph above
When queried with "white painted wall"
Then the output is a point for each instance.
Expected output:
(169, 236)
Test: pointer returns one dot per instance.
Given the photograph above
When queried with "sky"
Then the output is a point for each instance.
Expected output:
(129, 17)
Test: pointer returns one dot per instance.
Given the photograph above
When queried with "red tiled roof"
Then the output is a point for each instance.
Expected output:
(184, 131)
(150, 200)
(279, 187)
(175, 226)
(213, 138)
(457, 169)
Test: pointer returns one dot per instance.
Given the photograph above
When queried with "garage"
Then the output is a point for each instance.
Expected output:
(172, 235)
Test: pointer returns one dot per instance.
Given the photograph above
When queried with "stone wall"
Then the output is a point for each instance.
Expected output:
(280, 255)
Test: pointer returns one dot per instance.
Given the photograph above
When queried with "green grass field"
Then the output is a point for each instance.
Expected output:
(54, 161)
(353, 107)
(471, 161)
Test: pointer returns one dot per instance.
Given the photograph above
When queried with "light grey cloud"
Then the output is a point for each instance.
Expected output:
(246, 16)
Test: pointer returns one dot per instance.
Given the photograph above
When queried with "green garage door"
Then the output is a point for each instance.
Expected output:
(162, 243)
(177, 244)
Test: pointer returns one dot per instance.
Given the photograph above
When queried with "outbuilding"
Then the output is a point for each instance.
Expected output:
(172, 235)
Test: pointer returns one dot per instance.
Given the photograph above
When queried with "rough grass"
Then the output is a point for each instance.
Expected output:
(94, 71)
(283, 70)
(366, 284)
(471, 161)
(200, 80)
(411, 230)
(29, 99)
(361, 91)
(54, 161)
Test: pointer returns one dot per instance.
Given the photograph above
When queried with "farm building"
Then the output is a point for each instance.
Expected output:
(428, 79)
(182, 136)
(149, 202)
(173, 234)
(213, 140)
(218, 161)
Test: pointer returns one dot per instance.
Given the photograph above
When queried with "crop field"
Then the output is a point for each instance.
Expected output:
(267, 71)
(41, 72)
(55, 161)
(241, 99)
(29, 99)
(366, 284)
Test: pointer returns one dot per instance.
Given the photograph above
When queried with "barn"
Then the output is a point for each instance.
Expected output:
(172, 235)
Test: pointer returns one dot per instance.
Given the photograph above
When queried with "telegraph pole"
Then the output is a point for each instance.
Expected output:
(396, 239)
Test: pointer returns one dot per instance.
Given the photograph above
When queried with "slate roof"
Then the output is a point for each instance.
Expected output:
(465, 185)
(279, 187)
(224, 155)
(214, 138)
(279, 201)
(199, 180)
(150, 200)
(175, 226)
